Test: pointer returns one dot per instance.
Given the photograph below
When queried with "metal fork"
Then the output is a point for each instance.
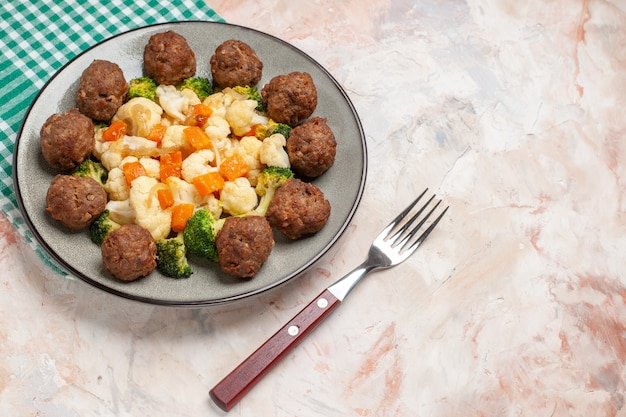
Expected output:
(392, 246)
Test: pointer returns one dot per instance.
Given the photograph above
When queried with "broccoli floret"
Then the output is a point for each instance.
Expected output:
(101, 227)
(200, 233)
(272, 127)
(92, 169)
(201, 86)
(281, 128)
(142, 87)
(253, 94)
(172, 257)
(268, 181)
(264, 131)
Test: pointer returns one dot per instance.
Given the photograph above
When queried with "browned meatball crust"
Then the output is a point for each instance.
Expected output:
(75, 201)
(312, 148)
(129, 252)
(290, 98)
(102, 90)
(168, 58)
(243, 245)
(298, 209)
(67, 139)
(235, 63)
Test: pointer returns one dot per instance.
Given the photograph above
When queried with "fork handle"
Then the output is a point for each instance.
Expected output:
(235, 385)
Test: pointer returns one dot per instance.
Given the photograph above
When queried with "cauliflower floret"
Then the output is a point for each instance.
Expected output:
(127, 159)
(250, 149)
(219, 102)
(138, 146)
(214, 205)
(198, 163)
(140, 115)
(175, 139)
(273, 151)
(113, 155)
(109, 153)
(241, 116)
(238, 197)
(216, 127)
(148, 212)
(152, 166)
(186, 193)
(176, 103)
(116, 186)
(224, 148)
(101, 144)
(183, 192)
(216, 102)
(121, 212)
(230, 96)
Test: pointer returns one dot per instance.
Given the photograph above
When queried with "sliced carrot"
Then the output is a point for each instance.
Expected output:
(116, 130)
(165, 197)
(202, 110)
(208, 183)
(234, 167)
(157, 133)
(197, 137)
(132, 171)
(199, 115)
(171, 165)
(180, 214)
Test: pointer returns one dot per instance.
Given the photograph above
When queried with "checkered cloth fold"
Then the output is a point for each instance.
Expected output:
(37, 38)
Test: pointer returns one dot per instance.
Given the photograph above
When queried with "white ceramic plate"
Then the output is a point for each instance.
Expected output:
(342, 184)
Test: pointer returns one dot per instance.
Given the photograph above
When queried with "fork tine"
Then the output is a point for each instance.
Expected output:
(425, 234)
(401, 232)
(395, 222)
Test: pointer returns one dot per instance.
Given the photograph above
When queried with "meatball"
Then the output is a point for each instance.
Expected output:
(129, 252)
(290, 98)
(75, 201)
(298, 209)
(311, 148)
(102, 90)
(243, 245)
(168, 58)
(235, 63)
(67, 139)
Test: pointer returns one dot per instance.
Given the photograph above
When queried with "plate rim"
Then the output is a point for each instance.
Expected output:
(163, 301)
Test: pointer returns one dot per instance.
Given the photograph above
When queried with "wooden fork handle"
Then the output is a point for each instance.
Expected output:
(235, 385)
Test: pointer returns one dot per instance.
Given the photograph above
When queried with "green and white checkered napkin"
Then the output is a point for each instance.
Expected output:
(38, 37)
